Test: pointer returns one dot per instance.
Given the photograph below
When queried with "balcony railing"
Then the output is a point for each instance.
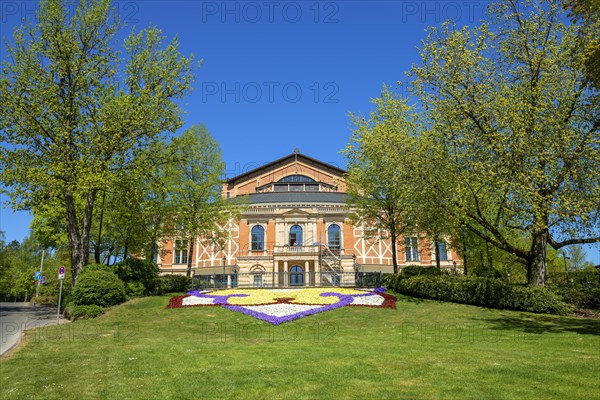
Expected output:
(312, 249)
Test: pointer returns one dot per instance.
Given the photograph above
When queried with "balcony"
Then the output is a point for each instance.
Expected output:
(286, 250)
(312, 249)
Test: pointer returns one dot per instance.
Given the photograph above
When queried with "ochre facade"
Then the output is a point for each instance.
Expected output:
(296, 231)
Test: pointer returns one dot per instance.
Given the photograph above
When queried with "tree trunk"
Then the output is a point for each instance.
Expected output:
(79, 242)
(125, 250)
(489, 256)
(536, 263)
(99, 241)
(190, 253)
(436, 245)
(394, 238)
(464, 246)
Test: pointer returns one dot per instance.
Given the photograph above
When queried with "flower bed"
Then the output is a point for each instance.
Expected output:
(277, 306)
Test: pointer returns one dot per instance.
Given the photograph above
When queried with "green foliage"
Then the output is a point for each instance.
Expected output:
(582, 297)
(480, 291)
(584, 278)
(135, 272)
(135, 289)
(101, 288)
(174, 283)
(512, 127)
(195, 187)
(81, 124)
(96, 267)
(44, 300)
(415, 270)
(378, 180)
(74, 312)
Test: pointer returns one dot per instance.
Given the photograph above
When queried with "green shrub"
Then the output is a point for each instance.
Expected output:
(44, 300)
(481, 291)
(416, 270)
(101, 288)
(94, 267)
(580, 296)
(135, 289)
(74, 312)
(587, 278)
(174, 283)
(138, 272)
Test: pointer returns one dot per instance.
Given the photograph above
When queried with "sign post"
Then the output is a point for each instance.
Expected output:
(38, 275)
(61, 277)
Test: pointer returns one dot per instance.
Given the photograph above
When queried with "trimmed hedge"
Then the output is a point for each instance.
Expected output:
(101, 288)
(480, 291)
(174, 283)
(74, 312)
(416, 270)
(581, 297)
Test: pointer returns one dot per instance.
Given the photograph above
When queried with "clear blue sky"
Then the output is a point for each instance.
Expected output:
(279, 74)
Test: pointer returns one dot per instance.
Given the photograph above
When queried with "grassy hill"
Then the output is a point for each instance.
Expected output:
(421, 350)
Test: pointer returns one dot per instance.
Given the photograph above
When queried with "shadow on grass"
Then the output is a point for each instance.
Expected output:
(532, 323)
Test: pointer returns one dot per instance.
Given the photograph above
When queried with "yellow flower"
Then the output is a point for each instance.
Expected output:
(297, 296)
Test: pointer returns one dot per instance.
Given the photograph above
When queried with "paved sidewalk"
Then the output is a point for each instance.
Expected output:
(16, 318)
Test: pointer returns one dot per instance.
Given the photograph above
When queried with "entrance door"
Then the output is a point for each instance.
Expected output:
(296, 276)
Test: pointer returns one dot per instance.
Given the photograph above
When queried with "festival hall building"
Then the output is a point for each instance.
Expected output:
(295, 230)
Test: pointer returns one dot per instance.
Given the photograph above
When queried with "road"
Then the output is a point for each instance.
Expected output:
(15, 318)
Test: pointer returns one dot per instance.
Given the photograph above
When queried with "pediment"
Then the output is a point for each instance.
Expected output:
(296, 212)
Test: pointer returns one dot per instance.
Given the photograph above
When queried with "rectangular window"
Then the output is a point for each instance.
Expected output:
(442, 251)
(411, 248)
(180, 252)
(257, 280)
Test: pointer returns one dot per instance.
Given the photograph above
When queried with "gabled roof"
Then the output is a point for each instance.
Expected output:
(286, 160)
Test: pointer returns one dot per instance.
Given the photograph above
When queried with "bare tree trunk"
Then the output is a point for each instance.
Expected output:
(394, 238)
(436, 245)
(489, 256)
(99, 241)
(536, 264)
(190, 253)
(464, 249)
(79, 242)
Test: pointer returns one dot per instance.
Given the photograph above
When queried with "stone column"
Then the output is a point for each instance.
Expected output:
(306, 274)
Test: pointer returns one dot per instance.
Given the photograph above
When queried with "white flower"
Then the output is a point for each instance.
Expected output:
(281, 310)
(372, 300)
(194, 301)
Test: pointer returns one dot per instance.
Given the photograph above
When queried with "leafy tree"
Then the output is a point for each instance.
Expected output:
(195, 188)
(576, 257)
(69, 124)
(588, 12)
(379, 191)
(513, 125)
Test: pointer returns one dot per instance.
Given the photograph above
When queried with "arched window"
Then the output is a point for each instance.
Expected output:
(334, 237)
(296, 276)
(257, 272)
(258, 238)
(295, 235)
(297, 179)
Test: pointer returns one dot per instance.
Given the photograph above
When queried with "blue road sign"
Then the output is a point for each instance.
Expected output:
(43, 279)
(38, 276)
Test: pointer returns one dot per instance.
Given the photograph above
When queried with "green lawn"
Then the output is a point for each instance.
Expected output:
(422, 350)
